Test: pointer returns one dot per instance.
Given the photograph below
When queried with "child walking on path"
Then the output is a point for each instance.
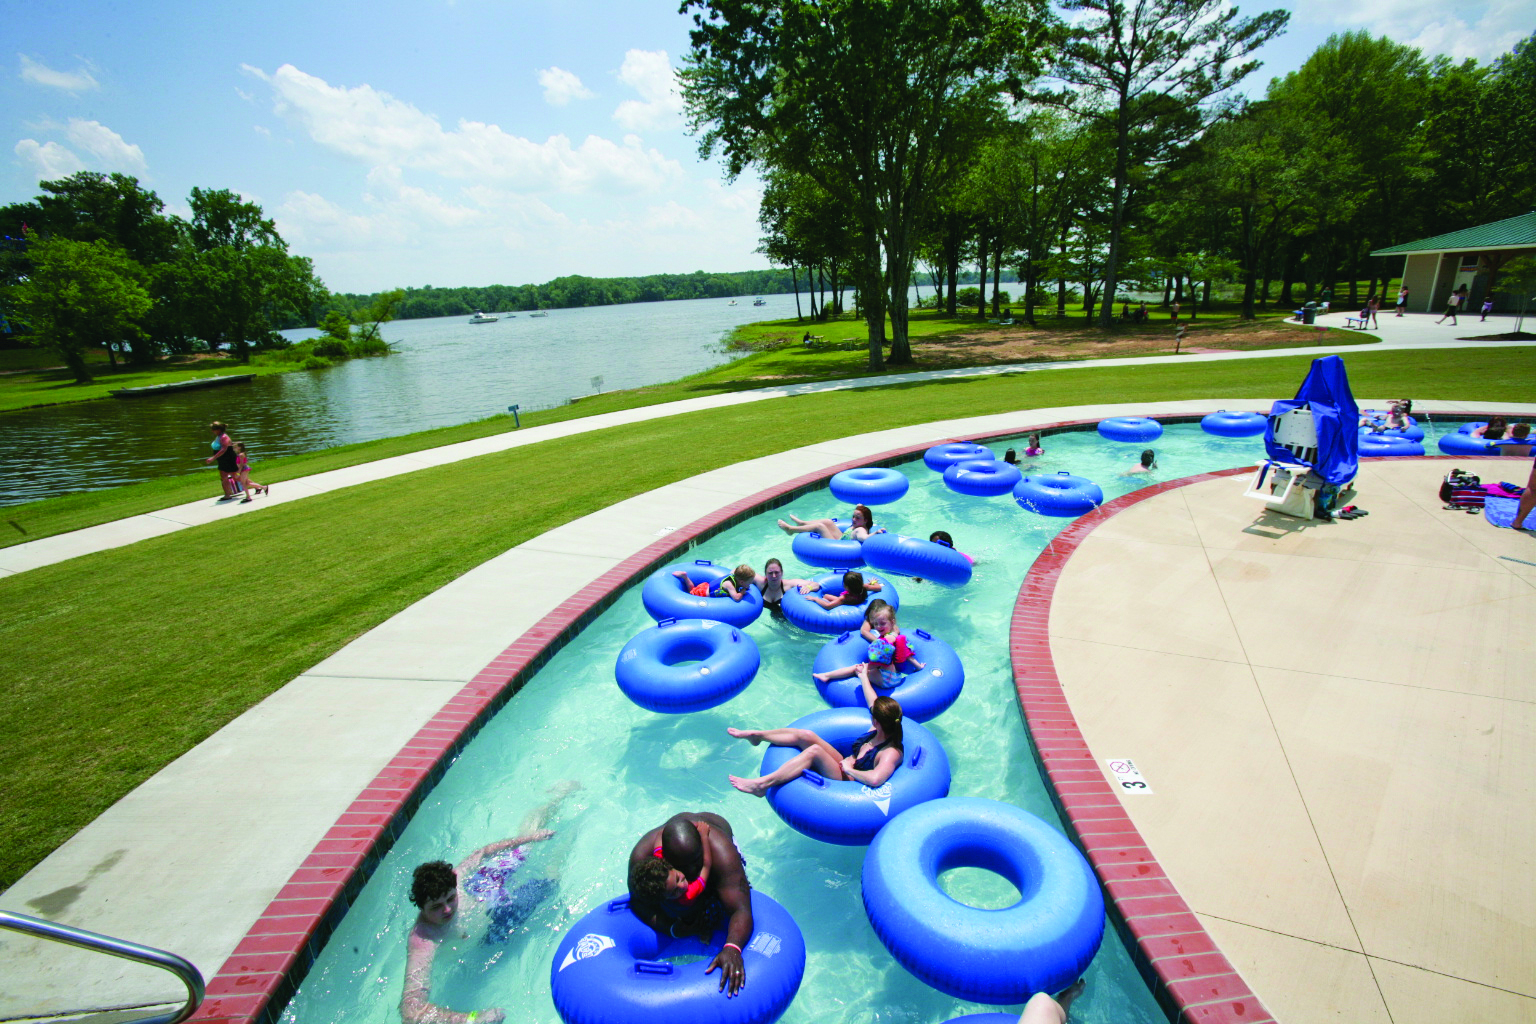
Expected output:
(243, 474)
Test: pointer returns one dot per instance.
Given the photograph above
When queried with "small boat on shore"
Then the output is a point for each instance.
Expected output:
(151, 390)
(482, 318)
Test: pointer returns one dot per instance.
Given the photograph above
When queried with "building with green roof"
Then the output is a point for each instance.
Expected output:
(1434, 267)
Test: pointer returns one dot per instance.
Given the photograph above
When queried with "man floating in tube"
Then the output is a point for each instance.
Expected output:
(686, 877)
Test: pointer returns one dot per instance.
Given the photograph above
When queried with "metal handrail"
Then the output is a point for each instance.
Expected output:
(183, 969)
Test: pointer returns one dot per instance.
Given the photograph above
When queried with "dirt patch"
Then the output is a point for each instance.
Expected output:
(1511, 336)
(1022, 344)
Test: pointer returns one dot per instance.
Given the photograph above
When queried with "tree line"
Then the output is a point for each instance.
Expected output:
(1097, 154)
(95, 262)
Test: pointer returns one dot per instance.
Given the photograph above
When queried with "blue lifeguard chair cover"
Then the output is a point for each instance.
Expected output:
(1334, 413)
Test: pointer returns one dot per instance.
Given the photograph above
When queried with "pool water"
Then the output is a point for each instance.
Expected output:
(636, 769)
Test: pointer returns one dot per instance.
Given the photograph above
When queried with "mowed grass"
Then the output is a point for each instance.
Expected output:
(29, 388)
(117, 663)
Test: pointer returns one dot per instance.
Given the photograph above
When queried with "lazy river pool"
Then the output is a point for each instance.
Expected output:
(637, 768)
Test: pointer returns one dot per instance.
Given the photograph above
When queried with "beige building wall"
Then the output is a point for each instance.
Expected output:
(1419, 276)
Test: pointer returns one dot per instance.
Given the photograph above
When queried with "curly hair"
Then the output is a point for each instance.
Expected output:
(432, 881)
(650, 879)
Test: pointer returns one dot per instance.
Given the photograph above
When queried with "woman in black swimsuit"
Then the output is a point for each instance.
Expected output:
(875, 755)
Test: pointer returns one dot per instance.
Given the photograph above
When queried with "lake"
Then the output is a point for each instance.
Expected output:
(444, 371)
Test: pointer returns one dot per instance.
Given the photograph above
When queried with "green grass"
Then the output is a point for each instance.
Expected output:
(56, 387)
(117, 663)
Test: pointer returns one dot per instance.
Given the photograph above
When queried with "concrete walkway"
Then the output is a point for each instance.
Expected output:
(1412, 331)
(1337, 721)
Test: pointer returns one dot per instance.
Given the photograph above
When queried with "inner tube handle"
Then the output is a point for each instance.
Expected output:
(924, 634)
(702, 561)
(917, 758)
(814, 778)
(652, 967)
(622, 903)
(1062, 472)
(666, 622)
(844, 638)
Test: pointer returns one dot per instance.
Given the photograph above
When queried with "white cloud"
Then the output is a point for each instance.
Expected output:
(38, 73)
(1482, 29)
(649, 73)
(111, 152)
(372, 126)
(262, 130)
(561, 86)
(49, 160)
(104, 150)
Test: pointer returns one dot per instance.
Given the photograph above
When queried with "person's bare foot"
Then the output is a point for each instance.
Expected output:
(786, 527)
(1070, 993)
(822, 677)
(749, 735)
(753, 787)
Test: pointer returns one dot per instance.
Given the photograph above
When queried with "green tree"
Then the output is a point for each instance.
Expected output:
(81, 295)
(880, 103)
(1149, 71)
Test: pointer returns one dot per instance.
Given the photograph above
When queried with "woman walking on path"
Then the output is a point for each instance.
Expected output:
(224, 451)
(1452, 304)
(1402, 299)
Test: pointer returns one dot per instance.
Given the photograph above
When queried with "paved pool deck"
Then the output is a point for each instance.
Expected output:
(1337, 723)
(193, 859)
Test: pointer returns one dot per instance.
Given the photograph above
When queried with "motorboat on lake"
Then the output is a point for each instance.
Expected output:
(731, 303)
(759, 301)
(540, 313)
(483, 318)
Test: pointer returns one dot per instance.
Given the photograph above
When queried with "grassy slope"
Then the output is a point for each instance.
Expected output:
(118, 662)
(783, 365)
(56, 387)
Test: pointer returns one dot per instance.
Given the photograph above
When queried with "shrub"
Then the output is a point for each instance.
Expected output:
(316, 363)
(328, 347)
(968, 296)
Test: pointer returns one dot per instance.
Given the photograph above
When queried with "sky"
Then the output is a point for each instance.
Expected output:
(458, 142)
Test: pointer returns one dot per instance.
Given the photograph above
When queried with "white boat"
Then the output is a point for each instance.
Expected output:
(539, 313)
(731, 303)
(759, 301)
(482, 318)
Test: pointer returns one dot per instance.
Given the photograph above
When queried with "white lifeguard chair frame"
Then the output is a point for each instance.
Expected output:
(1288, 492)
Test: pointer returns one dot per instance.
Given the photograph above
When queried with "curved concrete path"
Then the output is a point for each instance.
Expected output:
(1338, 725)
(1412, 331)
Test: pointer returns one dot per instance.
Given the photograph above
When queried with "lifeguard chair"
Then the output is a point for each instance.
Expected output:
(1313, 445)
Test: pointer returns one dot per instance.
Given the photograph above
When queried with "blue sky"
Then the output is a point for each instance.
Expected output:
(454, 142)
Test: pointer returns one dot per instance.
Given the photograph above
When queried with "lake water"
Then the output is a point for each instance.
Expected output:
(444, 371)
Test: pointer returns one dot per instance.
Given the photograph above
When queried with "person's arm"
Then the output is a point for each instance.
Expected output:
(469, 864)
(729, 586)
(874, 586)
(223, 447)
(736, 897)
(416, 1006)
(886, 762)
(829, 600)
(868, 632)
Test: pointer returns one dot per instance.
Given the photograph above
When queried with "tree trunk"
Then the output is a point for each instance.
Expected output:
(872, 298)
(1194, 300)
(1167, 289)
(952, 261)
(981, 281)
(1117, 221)
(75, 360)
(997, 275)
(794, 279)
(1088, 302)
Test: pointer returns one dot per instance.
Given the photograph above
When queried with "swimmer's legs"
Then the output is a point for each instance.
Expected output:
(539, 815)
(826, 527)
(815, 754)
(519, 905)
(837, 673)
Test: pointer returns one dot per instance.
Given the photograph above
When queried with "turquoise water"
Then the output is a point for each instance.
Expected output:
(636, 769)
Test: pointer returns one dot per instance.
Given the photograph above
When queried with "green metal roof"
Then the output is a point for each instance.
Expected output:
(1513, 233)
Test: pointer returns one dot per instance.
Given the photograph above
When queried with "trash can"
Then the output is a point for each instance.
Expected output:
(1309, 315)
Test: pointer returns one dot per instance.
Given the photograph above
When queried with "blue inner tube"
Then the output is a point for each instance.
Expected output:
(686, 665)
(848, 813)
(1412, 432)
(1385, 444)
(665, 597)
(1062, 495)
(1234, 424)
(1042, 943)
(801, 611)
(1130, 428)
(815, 550)
(1467, 428)
(924, 694)
(981, 478)
(1463, 444)
(941, 456)
(1377, 416)
(908, 556)
(985, 1018)
(870, 485)
(611, 968)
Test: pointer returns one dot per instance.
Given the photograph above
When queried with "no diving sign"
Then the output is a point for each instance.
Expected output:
(1127, 778)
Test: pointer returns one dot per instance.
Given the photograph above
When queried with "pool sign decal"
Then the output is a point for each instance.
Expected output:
(1127, 778)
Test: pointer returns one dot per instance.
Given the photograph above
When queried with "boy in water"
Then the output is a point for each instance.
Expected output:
(484, 876)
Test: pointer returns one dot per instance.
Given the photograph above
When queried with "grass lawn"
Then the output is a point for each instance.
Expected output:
(944, 343)
(118, 662)
(44, 386)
